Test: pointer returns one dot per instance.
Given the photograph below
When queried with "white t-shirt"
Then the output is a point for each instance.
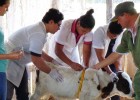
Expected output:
(101, 41)
(66, 37)
(31, 38)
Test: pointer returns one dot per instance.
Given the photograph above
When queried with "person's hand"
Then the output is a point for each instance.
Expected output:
(96, 67)
(76, 66)
(16, 55)
(56, 62)
(114, 77)
(56, 75)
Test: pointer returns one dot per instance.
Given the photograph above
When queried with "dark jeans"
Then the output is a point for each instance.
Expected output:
(21, 91)
(3, 86)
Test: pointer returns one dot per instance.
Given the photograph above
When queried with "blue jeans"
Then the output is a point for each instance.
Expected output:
(3, 86)
(21, 91)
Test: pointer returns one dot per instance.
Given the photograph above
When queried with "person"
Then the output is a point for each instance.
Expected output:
(105, 40)
(101, 39)
(128, 17)
(4, 4)
(31, 39)
(65, 44)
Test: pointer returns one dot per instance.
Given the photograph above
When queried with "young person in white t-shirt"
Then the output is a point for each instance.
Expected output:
(105, 40)
(64, 45)
(31, 39)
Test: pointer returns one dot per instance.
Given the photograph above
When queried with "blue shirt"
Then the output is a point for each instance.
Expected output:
(3, 63)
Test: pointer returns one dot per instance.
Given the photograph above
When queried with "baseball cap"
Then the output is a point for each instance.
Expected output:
(124, 7)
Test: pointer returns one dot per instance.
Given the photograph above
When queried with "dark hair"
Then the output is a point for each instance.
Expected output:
(2, 2)
(87, 20)
(115, 28)
(53, 14)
